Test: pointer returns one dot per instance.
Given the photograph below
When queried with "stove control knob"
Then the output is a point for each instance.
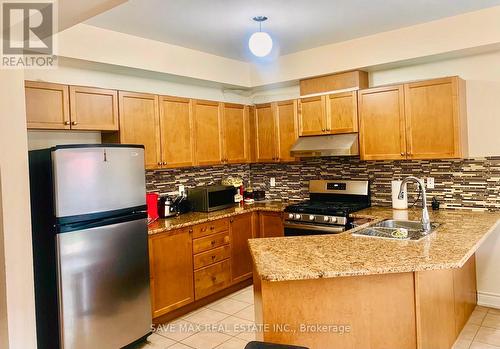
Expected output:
(333, 219)
(311, 217)
(290, 215)
(297, 216)
(326, 219)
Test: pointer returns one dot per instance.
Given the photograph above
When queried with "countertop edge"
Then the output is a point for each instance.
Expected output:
(456, 264)
(154, 231)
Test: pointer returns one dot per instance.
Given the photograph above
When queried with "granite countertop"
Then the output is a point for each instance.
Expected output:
(322, 256)
(192, 218)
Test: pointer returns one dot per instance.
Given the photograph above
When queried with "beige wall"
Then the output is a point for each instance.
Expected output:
(105, 46)
(451, 34)
(16, 223)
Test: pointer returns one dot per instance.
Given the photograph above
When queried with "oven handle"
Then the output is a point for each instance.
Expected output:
(337, 229)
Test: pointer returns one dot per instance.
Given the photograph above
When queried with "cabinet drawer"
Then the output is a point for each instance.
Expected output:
(210, 228)
(213, 256)
(212, 279)
(210, 242)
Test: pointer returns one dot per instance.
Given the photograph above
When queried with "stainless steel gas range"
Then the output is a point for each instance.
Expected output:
(328, 209)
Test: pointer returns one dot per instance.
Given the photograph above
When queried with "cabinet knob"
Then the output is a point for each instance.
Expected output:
(74, 123)
(324, 130)
(159, 163)
(212, 242)
(231, 220)
(212, 228)
(213, 257)
(67, 123)
(402, 154)
(190, 231)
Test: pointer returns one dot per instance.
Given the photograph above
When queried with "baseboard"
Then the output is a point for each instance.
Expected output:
(488, 299)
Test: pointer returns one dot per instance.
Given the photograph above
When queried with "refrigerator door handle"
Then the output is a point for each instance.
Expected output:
(66, 228)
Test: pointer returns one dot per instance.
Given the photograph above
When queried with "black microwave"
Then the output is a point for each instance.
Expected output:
(211, 198)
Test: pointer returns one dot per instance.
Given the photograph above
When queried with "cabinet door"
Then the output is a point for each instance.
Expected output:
(171, 273)
(139, 124)
(252, 135)
(241, 229)
(235, 131)
(382, 124)
(176, 132)
(312, 116)
(47, 106)
(432, 119)
(207, 125)
(265, 126)
(271, 224)
(286, 115)
(93, 109)
(342, 112)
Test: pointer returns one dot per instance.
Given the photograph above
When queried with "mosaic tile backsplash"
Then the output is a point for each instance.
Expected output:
(468, 183)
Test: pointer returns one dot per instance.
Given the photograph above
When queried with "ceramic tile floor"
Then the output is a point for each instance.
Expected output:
(227, 324)
(482, 331)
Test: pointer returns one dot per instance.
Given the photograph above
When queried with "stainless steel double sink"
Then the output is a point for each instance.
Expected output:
(396, 230)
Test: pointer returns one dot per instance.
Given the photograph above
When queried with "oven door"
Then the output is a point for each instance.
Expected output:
(297, 229)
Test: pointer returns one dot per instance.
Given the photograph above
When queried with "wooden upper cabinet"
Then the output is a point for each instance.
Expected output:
(93, 108)
(47, 105)
(287, 128)
(171, 273)
(435, 127)
(241, 229)
(312, 116)
(342, 112)
(235, 133)
(207, 127)
(176, 131)
(139, 124)
(265, 125)
(382, 123)
(252, 135)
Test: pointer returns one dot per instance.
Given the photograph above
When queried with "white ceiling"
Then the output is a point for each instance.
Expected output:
(222, 27)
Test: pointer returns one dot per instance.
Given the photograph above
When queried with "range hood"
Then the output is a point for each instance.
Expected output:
(330, 145)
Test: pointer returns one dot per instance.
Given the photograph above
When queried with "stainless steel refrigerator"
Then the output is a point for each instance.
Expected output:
(90, 246)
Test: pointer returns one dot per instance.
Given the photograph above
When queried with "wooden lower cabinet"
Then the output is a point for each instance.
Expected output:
(171, 273)
(271, 224)
(411, 310)
(192, 263)
(212, 279)
(241, 229)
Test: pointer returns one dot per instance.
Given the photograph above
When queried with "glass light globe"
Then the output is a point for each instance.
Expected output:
(260, 44)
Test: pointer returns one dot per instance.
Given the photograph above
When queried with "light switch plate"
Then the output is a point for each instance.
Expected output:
(430, 183)
(181, 189)
(272, 182)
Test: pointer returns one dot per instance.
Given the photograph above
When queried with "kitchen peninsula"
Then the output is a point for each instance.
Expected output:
(344, 291)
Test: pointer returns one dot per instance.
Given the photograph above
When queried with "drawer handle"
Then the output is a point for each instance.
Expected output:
(204, 229)
(212, 228)
(213, 242)
(213, 257)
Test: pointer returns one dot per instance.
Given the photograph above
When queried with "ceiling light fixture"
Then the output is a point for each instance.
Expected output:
(260, 43)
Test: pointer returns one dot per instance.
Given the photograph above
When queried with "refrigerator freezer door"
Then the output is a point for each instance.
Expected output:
(90, 180)
(103, 286)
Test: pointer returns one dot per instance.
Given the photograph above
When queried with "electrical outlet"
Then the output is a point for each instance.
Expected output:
(272, 182)
(430, 183)
(181, 189)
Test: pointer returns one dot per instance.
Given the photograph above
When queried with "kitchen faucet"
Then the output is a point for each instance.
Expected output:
(426, 222)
